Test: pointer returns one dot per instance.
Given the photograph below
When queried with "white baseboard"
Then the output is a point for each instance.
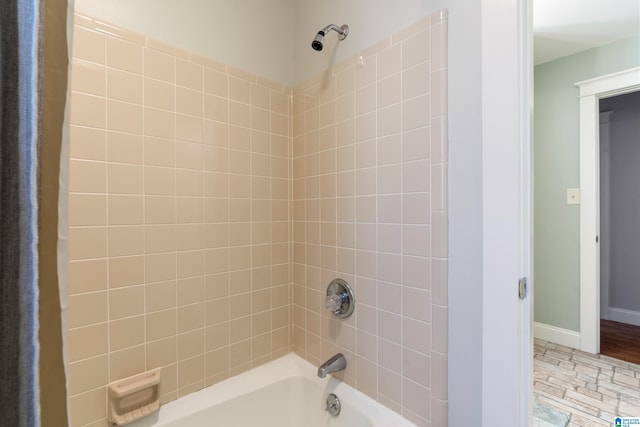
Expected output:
(556, 335)
(625, 316)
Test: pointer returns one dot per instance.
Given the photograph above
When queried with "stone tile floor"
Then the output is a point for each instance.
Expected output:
(590, 389)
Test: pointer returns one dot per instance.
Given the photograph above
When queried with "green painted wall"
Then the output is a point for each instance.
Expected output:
(556, 168)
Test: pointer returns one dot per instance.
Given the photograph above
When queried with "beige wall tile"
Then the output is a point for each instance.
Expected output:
(191, 371)
(160, 354)
(239, 353)
(190, 237)
(87, 276)
(159, 181)
(87, 309)
(87, 176)
(159, 94)
(216, 82)
(189, 101)
(217, 361)
(88, 77)
(125, 210)
(126, 302)
(189, 182)
(87, 209)
(216, 286)
(439, 321)
(125, 179)
(127, 362)
(189, 75)
(416, 208)
(216, 311)
(160, 296)
(239, 90)
(124, 117)
(124, 86)
(124, 147)
(190, 345)
(217, 336)
(239, 114)
(87, 341)
(124, 333)
(160, 267)
(124, 55)
(159, 123)
(126, 271)
(88, 45)
(87, 242)
(88, 374)
(126, 240)
(159, 152)
(88, 407)
(159, 66)
(161, 324)
(87, 143)
(160, 238)
(189, 155)
(190, 264)
(439, 92)
(414, 396)
(190, 317)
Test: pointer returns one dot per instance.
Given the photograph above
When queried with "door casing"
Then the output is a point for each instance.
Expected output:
(591, 91)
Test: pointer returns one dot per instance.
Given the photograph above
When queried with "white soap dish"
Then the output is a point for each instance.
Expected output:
(134, 397)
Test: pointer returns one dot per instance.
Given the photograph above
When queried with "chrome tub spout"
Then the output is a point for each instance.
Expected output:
(336, 363)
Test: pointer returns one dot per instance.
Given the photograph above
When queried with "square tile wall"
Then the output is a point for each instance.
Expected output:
(188, 228)
(370, 206)
(179, 200)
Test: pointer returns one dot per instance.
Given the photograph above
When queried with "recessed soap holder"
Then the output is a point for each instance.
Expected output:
(340, 299)
(134, 397)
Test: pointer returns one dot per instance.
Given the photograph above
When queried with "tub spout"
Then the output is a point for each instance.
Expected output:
(336, 363)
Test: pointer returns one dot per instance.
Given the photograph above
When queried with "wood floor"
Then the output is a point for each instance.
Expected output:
(620, 341)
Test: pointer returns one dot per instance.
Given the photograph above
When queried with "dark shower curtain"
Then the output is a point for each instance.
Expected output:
(23, 257)
(18, 211)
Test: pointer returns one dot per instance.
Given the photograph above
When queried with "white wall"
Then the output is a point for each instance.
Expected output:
(625, 200)
(369, 22)
(556, 168)
(254, 35)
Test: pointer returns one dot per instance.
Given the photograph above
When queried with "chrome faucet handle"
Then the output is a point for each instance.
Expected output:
(340, 299)
(333, 405)
(333, 302)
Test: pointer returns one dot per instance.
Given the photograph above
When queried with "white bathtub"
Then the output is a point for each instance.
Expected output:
(282, 393)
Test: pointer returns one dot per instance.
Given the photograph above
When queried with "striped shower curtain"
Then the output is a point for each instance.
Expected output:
(19, 153)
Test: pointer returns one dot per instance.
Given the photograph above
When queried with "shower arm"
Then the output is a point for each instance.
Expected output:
(342, 31)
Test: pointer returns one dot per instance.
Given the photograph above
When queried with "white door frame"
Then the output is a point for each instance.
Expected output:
(591, 91)
(507, 70)
(605, 219)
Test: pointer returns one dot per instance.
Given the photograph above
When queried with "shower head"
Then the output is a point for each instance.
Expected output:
(318, 40)
(317, 43)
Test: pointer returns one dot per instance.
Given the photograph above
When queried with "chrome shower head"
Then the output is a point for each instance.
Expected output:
(318, 41)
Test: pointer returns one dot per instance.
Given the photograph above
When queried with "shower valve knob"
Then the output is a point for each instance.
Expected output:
(340, 299)
(333, 302)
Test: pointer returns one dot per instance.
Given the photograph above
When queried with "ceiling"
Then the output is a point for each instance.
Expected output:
(565, 27)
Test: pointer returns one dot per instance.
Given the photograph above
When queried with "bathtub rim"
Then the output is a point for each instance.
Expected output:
(290, 365)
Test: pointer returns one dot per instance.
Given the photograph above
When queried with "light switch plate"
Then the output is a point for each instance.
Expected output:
(573, 196)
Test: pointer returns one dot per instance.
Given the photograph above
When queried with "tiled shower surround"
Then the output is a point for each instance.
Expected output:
(210, 208)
